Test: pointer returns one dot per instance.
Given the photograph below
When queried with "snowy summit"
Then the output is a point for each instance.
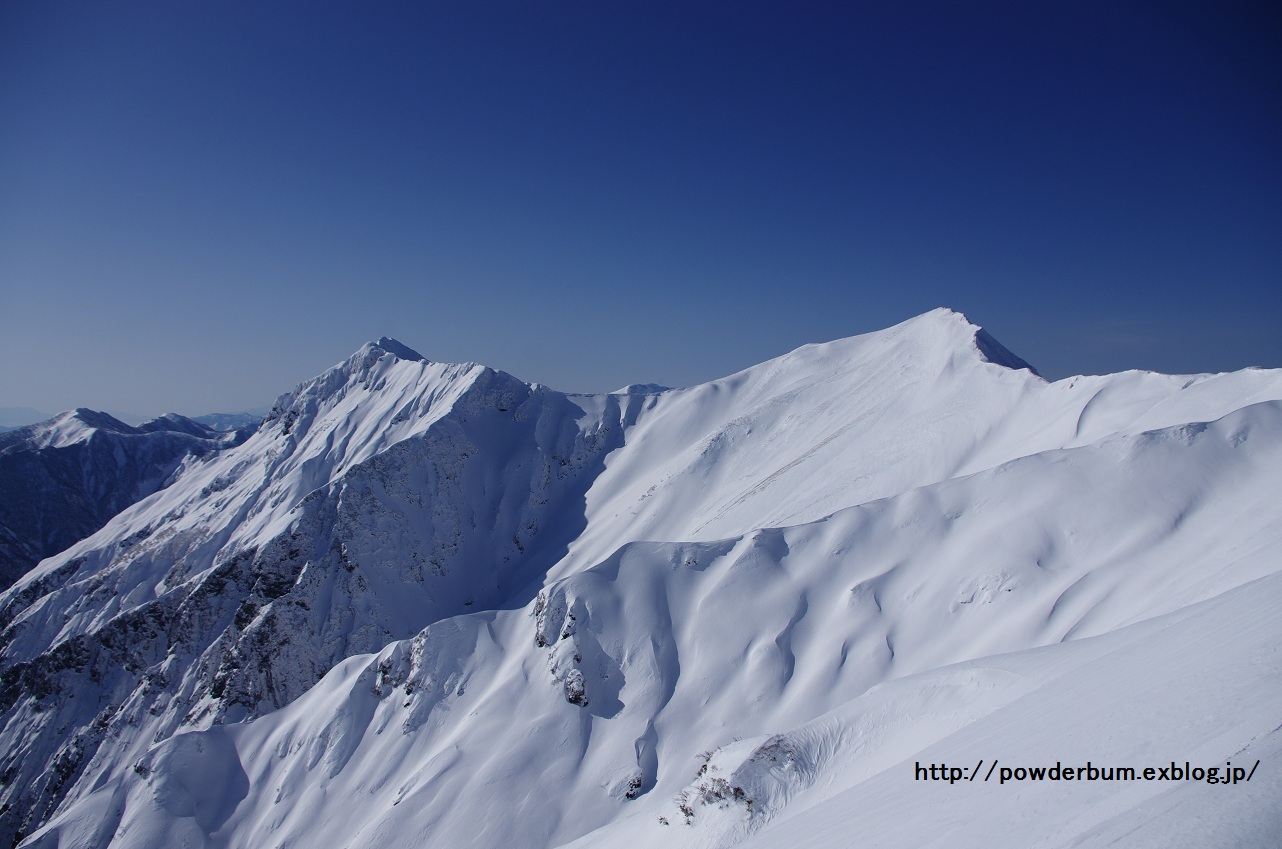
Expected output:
(432, 604)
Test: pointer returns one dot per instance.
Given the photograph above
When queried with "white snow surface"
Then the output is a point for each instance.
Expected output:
(429, 604)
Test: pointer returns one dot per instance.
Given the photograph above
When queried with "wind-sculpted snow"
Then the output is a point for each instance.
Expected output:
(479, 612)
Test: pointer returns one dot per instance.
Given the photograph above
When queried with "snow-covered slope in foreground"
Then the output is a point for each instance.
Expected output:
(737, 612)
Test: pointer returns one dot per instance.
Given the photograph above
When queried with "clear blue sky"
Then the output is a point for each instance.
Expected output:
(203, 203)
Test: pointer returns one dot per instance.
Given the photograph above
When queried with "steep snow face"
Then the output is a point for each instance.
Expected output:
(383, 495)
(62, 479)
(567, 598)
(827, 426)
(716, 685)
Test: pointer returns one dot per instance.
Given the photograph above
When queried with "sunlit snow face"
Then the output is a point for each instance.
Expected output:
(743, 604)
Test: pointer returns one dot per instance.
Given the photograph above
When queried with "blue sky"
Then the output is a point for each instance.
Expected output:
(202, 204)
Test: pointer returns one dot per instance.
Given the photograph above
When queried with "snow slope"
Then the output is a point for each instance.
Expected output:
(480, 612)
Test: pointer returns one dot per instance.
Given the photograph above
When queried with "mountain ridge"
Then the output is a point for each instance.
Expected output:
(392, 497)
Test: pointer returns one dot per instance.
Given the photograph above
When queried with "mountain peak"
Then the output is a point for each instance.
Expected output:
(493, 568)
(177, 423)
(395, 348)
(93, 418)
(990, 350)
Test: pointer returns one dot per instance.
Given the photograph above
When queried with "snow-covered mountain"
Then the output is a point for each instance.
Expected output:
(477, 612)
(224, 422)
(62, 479)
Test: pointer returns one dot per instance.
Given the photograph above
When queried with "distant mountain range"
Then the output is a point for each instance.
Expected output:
(12, 418)
(429, 604)
(247, 420)
(62, 479)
